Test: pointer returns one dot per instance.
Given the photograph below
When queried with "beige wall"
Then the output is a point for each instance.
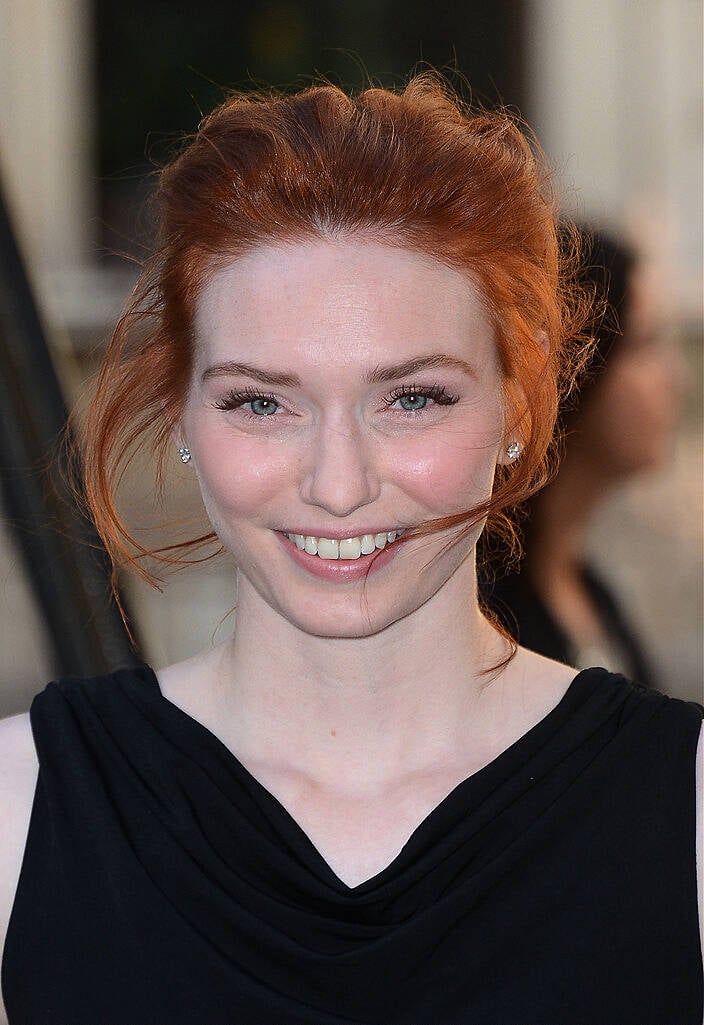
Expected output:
(615, 94)
(46, 127)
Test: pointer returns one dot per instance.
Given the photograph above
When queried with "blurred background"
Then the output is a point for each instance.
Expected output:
(95, 94)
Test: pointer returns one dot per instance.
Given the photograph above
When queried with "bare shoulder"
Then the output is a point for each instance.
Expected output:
(700, 831)
(190, 684)
(18, 777)
(542, 682)
(18, 763)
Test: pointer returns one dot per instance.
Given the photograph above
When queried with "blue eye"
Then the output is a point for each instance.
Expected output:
(266, 406)
(413, 403)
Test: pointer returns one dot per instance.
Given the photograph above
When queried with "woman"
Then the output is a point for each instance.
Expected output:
(363, 806)
(557, 603)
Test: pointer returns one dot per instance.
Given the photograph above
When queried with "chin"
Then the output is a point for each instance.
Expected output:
(352, 619)
(365, 613)
(352, 611)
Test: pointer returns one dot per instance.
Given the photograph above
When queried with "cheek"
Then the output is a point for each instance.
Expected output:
(238, 473)
(445, 473)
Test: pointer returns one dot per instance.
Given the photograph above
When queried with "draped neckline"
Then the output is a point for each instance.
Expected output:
(433, 823)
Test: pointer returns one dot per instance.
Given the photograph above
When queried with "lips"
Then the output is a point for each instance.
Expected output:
(342, 570)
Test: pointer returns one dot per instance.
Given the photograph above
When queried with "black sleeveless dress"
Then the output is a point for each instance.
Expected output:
(163, 885)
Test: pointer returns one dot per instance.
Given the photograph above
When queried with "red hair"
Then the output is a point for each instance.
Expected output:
(415, 169)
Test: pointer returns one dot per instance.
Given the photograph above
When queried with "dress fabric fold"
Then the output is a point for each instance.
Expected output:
(162, 883)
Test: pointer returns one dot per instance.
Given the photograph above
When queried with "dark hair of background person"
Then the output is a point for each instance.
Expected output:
(606, 265)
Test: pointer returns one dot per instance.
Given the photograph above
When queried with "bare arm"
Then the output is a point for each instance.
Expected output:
(700, 832)
(18, 777)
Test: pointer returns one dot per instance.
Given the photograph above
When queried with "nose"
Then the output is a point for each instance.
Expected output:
(341, 471)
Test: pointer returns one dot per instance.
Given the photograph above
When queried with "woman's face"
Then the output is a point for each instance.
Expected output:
(628, 419)
(342, 389)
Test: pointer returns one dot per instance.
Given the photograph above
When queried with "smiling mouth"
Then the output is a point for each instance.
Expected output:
(346, 548)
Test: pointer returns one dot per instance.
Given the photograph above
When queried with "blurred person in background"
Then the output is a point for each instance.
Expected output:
(366, 804)
(621, 424)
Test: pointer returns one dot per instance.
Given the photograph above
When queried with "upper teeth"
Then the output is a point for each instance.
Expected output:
(346, 548)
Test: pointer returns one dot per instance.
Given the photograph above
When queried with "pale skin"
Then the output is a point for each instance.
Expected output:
(358, 716)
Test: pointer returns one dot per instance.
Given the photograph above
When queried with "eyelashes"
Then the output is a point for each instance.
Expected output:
(437, 392)
(237, 398)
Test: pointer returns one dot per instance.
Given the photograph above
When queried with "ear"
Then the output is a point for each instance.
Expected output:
(174, 418)
(510, 452)
(178, 439)
(514, 401)
(514, 442)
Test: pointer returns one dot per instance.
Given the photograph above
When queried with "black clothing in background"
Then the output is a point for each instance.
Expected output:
(525, 615)
(163, 885)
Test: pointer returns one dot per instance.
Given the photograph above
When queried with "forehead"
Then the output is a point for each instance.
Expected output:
(340, 301)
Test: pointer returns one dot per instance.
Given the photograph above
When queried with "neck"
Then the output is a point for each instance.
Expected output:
(379, 706)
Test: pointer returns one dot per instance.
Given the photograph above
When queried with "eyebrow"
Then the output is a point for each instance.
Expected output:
(378, 375)
(230, 369)
(412, 366)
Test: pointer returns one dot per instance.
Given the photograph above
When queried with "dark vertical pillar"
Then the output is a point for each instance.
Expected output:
(67, 567)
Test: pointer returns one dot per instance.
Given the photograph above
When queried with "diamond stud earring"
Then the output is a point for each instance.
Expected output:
(185, 454)
(513, 451)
